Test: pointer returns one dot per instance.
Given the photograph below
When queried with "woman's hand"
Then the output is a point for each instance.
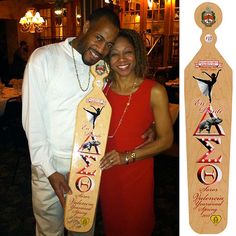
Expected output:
(111, 159)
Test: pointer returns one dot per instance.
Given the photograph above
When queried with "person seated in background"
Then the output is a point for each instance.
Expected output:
(19, 61)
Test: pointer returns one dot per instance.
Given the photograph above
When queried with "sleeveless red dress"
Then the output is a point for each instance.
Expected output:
(127, 191)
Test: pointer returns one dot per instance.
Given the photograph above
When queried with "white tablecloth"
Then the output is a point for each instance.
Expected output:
(6, 94)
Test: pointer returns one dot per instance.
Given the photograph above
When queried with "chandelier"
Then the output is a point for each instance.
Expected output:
(32, 22)
(150, 4)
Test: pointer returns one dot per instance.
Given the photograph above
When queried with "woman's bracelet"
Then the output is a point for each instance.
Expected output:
(130, 157)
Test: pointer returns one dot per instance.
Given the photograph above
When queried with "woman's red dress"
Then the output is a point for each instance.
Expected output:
(127, 191)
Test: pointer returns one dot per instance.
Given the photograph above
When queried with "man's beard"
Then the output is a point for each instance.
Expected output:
(90, 63)
(84, 49)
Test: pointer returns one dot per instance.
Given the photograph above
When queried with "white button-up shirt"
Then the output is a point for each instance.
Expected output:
(50, 97)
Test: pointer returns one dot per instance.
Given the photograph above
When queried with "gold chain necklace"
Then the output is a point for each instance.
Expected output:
(125, 110)
(77, 75)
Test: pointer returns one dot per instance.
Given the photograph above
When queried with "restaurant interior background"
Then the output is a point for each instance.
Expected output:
(157, 21)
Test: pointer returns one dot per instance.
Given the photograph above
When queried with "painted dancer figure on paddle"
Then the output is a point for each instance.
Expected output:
(207, 85)
(94, 114)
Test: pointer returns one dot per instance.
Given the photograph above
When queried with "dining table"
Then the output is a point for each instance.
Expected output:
(173, 83)
(172, 88)
(7, 93)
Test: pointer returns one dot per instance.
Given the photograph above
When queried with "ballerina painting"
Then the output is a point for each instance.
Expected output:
(206, 86)
(94, 114)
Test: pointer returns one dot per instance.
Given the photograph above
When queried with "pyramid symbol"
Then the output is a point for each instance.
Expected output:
(90, 145)
(208, 120)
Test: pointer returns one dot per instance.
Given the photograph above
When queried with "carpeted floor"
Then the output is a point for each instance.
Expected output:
(16, 217)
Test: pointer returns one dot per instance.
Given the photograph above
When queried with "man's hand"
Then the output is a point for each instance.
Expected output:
(60, 186)
(149, 136)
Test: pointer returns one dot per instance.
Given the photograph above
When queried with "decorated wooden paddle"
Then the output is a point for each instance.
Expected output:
(208, 104)
(92, 124)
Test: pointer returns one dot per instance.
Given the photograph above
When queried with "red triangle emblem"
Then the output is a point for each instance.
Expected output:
(207, 123)
(90, 145)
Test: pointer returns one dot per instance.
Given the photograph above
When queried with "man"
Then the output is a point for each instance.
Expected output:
(55, 80)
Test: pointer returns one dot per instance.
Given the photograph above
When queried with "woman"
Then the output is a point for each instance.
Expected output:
(127, 184)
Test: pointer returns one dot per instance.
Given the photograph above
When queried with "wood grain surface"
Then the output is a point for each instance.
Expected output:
(92, 124)
(208, 109)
